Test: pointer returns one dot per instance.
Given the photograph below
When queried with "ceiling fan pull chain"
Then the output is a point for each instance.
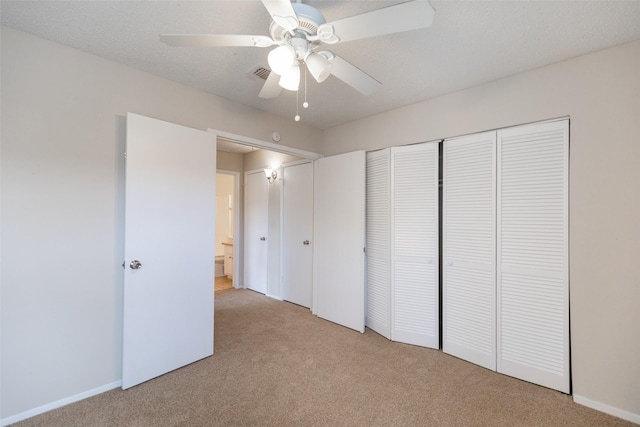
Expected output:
(297, 117)
(305, 104)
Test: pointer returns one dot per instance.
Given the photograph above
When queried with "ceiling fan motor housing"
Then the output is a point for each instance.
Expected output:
(309, 19)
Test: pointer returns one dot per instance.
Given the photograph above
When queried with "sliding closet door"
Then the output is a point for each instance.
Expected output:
(378, 257)
(469, 261)
(414, 231)
(533, 274)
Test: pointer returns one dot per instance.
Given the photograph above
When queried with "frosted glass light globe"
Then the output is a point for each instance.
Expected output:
(290, 79)
(281, 59)
(319, 66)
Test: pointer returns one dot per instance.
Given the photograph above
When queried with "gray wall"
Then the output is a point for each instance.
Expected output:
(63, 127)
(601, 94)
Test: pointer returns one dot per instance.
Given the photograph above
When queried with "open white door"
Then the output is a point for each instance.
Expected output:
(340, 239)
(169, 248)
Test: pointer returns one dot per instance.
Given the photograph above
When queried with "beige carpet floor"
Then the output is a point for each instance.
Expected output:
(276, 364)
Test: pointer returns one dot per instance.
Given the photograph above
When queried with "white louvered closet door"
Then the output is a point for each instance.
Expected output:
(414, 237)
(378, 316)
(533, 278)
(469, 235)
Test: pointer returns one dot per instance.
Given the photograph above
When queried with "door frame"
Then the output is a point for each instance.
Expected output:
(265, 145)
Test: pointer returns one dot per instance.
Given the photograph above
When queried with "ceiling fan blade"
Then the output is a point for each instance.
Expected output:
(407, 16)
(282, 13)
(214, 40)
(271, 88)
(353, 76)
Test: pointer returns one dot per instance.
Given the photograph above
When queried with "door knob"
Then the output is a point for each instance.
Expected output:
(306, 242)
(263, 238)
(135, 265)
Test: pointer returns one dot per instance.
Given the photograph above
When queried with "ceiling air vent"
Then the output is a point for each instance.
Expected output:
(259, 72)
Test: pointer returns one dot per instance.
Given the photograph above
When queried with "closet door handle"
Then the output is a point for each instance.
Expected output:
(263, 238)
(306, 242)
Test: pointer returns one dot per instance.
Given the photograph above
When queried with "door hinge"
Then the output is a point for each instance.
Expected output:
(124, 154)
(364, 250)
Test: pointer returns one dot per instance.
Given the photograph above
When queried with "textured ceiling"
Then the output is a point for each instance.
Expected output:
(470, 42)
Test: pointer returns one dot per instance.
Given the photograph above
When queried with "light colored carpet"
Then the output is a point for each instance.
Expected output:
(276, 364)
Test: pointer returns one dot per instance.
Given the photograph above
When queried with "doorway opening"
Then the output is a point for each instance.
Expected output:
(225, 229)
(238, 155)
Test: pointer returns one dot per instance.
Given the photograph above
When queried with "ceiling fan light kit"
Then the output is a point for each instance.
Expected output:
(300, 30)
(281, 59)
(290, 79)
(319, 66)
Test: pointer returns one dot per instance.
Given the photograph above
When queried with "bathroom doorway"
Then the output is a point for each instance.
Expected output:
(225, 229)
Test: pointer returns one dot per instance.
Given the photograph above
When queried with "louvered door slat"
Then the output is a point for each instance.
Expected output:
(378, 316)
(533, 321)
(469, 233)
(415, 288)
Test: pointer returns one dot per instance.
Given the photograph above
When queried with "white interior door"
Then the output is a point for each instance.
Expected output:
(256, 227)
(414, 249)
(533, 263)
(340, 239)
(378, 255)
(170, 235)
(469, 248)
(297, 231)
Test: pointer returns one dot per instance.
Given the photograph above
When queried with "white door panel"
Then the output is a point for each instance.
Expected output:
(297, 224)
(533, 267)
(256, 227)
(170, 230)
(340, 238)
(414, 236)
(378, 313)
(468, 249)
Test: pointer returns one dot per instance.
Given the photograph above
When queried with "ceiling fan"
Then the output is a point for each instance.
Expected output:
(300, 32)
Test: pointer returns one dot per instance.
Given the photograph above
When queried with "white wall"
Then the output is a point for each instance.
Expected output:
(601, 94)
(230, 161)
(63, 135)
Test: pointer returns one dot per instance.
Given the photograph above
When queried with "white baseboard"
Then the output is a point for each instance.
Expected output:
(58, 404)
(616, 412)
(275, 297)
